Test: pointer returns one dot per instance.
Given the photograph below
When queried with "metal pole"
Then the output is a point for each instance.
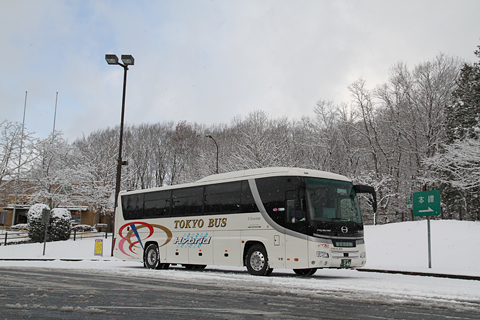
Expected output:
(216, 145)
(19, 164)
(45, 239)
(429, 244)
(55, 115)
(217, 155)
(120, 162)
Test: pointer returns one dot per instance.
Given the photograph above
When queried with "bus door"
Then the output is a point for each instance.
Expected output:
(296, 246)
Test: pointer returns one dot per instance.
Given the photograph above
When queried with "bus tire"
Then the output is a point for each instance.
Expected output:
(257, 260)
(305, 272)
(151, 257)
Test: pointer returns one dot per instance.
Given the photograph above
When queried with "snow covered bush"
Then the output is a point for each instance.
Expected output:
(82, 227)
(58, 227)
(36, 229)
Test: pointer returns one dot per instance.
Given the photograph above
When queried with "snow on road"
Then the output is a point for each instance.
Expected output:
(400, 246)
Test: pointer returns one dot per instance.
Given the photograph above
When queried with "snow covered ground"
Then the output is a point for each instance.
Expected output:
(399, 246)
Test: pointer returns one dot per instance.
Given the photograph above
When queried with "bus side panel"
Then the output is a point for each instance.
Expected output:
(296, 252)
(199, 243)
(226, 248)
(201, 254)
(177, 251)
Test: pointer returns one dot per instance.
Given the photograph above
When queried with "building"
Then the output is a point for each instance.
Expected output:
(82, 213)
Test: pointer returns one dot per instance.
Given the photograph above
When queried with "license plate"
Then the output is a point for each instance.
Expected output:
(346, 263)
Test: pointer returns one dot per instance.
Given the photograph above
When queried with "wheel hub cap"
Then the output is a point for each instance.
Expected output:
(257, 261)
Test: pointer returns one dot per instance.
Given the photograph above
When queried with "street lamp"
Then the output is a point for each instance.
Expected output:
(127, 61)
(210, 136)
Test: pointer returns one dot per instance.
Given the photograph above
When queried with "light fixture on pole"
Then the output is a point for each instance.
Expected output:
(210, 136)
(127, 61)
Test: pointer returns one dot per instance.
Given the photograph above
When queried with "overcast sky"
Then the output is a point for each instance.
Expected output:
(209, 61)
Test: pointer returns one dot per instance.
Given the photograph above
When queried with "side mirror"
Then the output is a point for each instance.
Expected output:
(368, 189)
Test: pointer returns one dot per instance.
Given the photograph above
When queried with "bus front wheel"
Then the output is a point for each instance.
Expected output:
(151, 257)
(257, 261)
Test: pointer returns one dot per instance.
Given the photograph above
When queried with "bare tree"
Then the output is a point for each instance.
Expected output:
(11, 140)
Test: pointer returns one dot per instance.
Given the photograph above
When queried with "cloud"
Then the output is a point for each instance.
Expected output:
(208, 61)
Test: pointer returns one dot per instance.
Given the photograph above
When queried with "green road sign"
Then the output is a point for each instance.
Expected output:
(409, 203)
(426, 203)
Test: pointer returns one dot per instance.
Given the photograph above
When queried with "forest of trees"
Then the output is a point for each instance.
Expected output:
(419, 131)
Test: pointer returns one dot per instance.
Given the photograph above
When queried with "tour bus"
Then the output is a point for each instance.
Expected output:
(285, 218)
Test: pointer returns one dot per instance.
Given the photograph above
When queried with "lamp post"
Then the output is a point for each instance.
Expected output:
(127, 60)
(210, 136)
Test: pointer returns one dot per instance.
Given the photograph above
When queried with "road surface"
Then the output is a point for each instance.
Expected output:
(42, 293)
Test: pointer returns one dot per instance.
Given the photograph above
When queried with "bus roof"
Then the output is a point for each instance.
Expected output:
(273, 171)
(254, 174)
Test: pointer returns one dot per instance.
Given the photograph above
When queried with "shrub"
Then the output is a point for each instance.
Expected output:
(36, 229)
(58, 227)
(82, 227)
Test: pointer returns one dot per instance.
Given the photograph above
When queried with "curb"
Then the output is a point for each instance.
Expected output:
(409, 273)
(423, 274)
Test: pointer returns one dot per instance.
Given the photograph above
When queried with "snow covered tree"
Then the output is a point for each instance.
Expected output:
(259, 142)
(59, 174)
(458, 166)
(410, 122)
(456, 171)
(11, 141)
(463, 114)
(96, 156)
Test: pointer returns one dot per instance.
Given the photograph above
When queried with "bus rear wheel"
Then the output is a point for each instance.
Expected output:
(257, 261)
(151, 257)
(305, 272)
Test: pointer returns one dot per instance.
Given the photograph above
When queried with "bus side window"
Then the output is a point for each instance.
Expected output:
(223, 198)
(157, 204)
(188, 201)
(132, 206)
(272, 193)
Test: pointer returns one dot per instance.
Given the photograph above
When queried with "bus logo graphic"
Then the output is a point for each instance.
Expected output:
(132, 238)
(192, 240)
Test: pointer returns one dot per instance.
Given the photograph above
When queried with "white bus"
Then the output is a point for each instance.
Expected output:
(285, 218)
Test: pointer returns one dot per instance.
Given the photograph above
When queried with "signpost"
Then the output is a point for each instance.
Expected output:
(45, 221)
(427, 203)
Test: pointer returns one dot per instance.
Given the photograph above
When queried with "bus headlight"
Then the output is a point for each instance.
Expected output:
(363, 255)
(321, 254)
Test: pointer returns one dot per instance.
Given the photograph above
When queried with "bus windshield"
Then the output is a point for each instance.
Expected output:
(331, 200)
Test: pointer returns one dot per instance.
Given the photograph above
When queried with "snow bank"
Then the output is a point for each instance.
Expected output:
(404, 246)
